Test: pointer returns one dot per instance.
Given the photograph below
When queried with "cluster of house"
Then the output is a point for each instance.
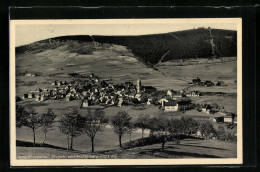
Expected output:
(219, 117)
(176, 100)
(207, 83)
(26, 73)
(38, 94)
(115, 94)
(92, 90)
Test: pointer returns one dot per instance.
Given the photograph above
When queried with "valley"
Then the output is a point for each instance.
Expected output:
(115, 64)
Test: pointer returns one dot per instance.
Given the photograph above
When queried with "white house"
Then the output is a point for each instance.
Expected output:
(138, 96)
(120, 101)
(45, 89)
(170, 93)
(85, 103)
(42, 98)
(178, 95)
(68, 97)
(119, 93)
(171, 106)
(149, 101)
(84, 93)
(132, 95)
(29, 74)
(37, 97)
(206, 108)
(193, 94)
(198, 133)
(112, 102)
(25, 96)
(30, 95)
(229, 118)
(162, 101)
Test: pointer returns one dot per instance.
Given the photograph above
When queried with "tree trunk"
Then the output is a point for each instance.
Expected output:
(130, 137)
(163, 143)
(44, 137)
(33, 137)
(142, 133)
(92, 142)
(120, 144)
(71, 143)
(68, 138)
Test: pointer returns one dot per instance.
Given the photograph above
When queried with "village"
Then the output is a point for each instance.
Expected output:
(92, 90)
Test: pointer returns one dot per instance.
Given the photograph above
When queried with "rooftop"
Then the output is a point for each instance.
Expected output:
(171, 103)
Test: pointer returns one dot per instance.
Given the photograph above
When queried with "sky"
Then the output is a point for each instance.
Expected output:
(29, 33)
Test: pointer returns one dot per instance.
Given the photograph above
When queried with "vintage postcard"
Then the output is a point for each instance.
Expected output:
(126, 92)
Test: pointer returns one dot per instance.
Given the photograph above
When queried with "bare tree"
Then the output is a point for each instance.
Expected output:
(189, 125)
(159, 128)
(120, 123)
(47, 120)
(20, 112)
(131, 129)
(142, 122)
(29, 118)
(207, 129)
(71, 124)
(94, 122)
(175, 126)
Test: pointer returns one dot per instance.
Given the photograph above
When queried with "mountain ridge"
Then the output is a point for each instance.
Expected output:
(153, 48)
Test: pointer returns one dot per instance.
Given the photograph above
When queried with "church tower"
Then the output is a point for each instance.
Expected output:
(138, 87)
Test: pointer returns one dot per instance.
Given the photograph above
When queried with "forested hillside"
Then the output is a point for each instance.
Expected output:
(151, 49)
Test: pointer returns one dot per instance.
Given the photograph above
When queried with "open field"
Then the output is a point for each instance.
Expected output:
(103, 141)
(107, 140)
(189, 148)
(60, 107)
(229, 103)
(107, 63)
(230, 88)
(206, 70)
(117, 63)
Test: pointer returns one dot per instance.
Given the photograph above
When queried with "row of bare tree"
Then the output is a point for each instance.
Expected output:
(73, 124)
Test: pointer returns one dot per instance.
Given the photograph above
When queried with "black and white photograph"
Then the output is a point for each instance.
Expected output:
(126, 92)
